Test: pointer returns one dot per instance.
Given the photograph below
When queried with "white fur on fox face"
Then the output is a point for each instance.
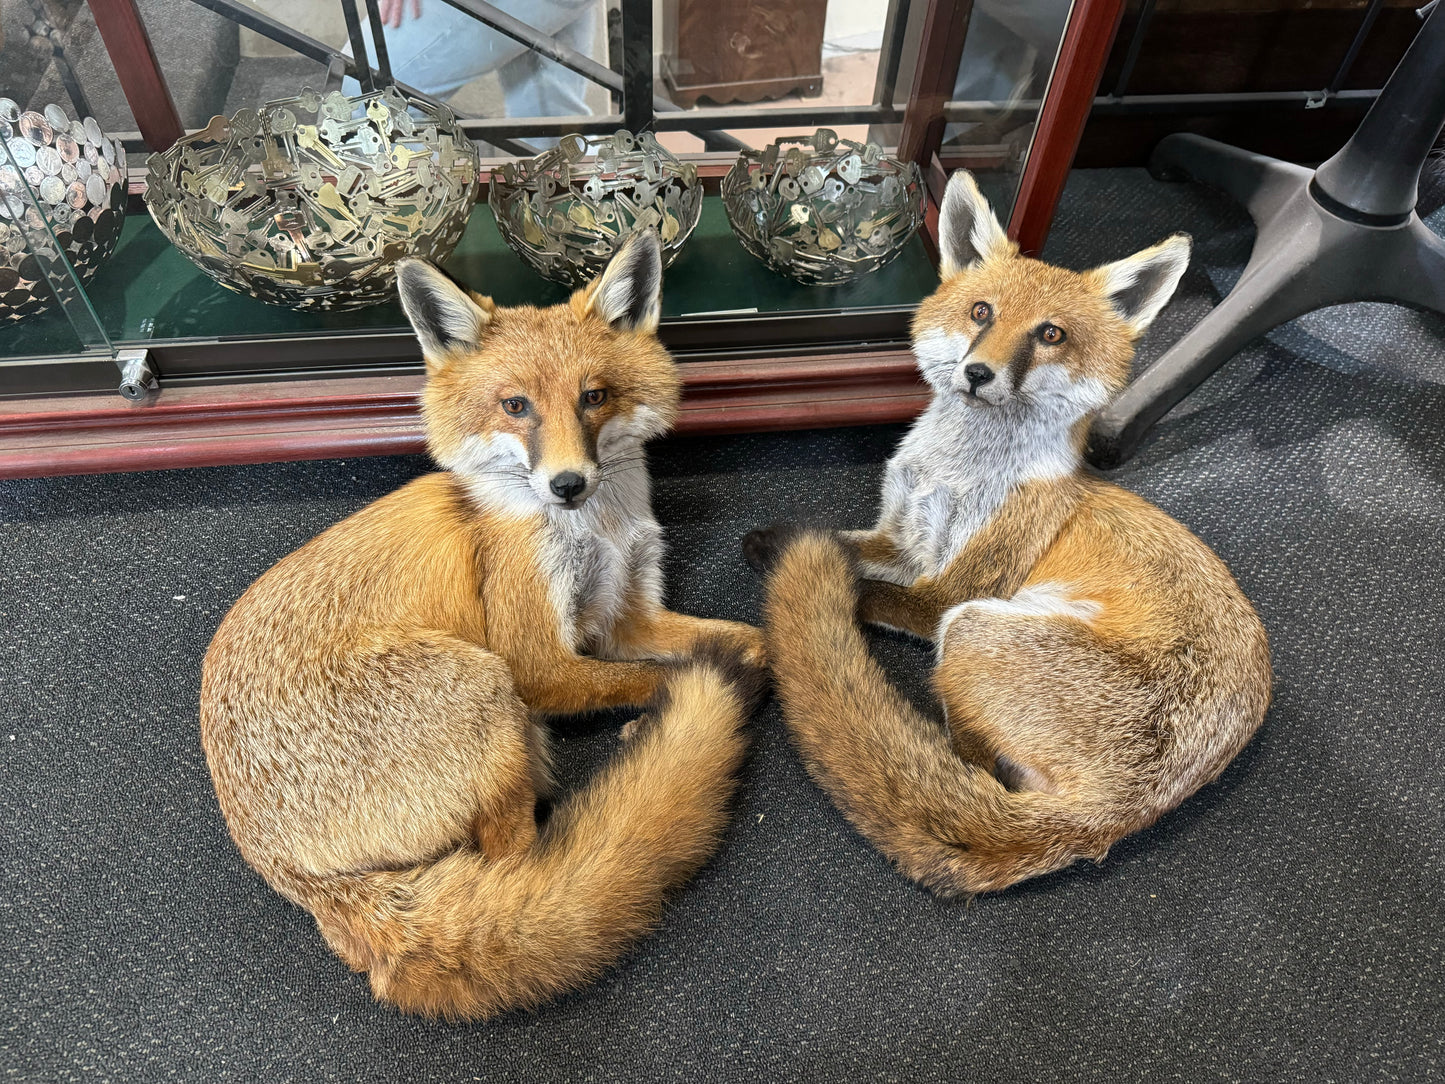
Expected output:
(942, 356)
(485, 453)
(495, 470)
(938, 353)
(1053, 386)
(624, 432)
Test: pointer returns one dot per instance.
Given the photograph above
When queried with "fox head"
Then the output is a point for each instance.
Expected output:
(537, 406)
(1004, 331)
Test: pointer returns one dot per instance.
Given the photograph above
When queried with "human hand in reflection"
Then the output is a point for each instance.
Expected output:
(392, 11)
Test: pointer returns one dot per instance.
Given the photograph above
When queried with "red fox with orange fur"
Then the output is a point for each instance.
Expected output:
(368, 706)
(1097, 663)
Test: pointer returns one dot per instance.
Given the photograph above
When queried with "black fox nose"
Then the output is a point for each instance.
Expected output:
(977, 375)
(568, 484)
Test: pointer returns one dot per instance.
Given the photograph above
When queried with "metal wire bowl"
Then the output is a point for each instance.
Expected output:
(310, 201)
(826, 210)
(565, 214)
(76, 174)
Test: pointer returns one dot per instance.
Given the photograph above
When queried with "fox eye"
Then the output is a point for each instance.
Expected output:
(516, 406)
(981, 313)
(1051, 334)
(595, 397)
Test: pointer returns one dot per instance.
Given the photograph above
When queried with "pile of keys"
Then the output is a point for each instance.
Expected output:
(565, 215)
(825, 211)
(310, 201)
(64, 172)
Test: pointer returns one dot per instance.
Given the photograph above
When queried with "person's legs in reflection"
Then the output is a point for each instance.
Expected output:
(438, 49)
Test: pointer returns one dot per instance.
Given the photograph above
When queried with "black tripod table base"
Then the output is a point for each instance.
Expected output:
(1309, 252)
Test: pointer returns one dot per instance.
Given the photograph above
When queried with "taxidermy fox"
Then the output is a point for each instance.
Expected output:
(368, 706)
(1096, 661)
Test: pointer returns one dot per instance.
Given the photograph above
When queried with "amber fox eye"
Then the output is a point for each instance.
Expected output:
(595, 397)
(1051, 334)
(982, 312)
(516, 406)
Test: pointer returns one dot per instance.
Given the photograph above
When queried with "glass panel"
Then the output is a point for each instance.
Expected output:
(820, 63)
(1205, 47)
(1007, 59)
(264, 69)
(49, 217)
(154, 292)
(52, 53)
(465, 58)
(831, 60)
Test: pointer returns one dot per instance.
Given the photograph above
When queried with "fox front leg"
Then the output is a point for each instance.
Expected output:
(550, 676)
(571, 684)
(915, 610)
(651, 632)
(994, 563)
(878, 555)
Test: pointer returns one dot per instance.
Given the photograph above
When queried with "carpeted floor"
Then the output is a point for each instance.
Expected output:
(1285, 924)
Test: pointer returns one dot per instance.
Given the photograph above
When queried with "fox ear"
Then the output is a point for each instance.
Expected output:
(445, 317)
(1142, 284)
(968, 231)
(628, 295)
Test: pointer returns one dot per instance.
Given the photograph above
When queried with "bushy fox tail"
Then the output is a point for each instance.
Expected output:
(465, 937)
(945, 823)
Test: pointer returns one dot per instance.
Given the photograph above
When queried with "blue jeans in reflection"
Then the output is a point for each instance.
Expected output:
(443, 49)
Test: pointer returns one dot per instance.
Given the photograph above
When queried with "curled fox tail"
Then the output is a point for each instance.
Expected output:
(945, 823)
(465, 937)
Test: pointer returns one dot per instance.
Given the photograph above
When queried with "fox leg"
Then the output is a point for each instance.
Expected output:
(507, 790)
(903, 609)
(994, 563)
(879, 556)
(644, 632)
(523, 627)
(507, 760)
(1036, 695)
(567, 683)
(425, 713)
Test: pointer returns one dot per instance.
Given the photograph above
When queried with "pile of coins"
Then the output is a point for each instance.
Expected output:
(77, 175)
(310, 201)
(565, 216)
(825, 211)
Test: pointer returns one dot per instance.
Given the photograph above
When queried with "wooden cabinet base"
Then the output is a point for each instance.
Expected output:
(216, 425)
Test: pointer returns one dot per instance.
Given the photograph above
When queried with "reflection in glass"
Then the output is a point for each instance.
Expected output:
(440, 50)
(1008, 56)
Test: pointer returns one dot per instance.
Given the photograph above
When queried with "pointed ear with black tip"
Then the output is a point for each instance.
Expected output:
(1139, 286)
(447, 320)
(628, 294)
(968, 230)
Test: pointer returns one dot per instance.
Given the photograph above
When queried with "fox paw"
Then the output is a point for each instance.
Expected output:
(746, 641)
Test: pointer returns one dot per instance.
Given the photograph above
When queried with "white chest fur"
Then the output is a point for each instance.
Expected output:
(596, 557)
(957, 467)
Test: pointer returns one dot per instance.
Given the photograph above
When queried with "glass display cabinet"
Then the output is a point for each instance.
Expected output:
(140, 359)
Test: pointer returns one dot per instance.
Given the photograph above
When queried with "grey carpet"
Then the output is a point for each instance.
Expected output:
(1285, 924)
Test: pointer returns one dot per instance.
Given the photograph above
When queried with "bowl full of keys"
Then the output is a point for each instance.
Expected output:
(821, 209)
(309, 202)
(568, 210)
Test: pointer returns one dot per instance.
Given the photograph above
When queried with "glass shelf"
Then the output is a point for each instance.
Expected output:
(148, 292)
